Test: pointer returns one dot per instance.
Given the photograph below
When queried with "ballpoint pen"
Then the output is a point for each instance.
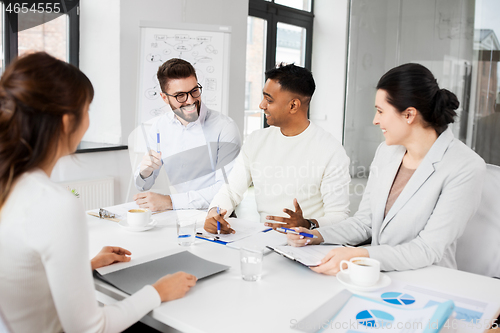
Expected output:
(218, 223)
(201, 235)
(291, 231)
(158, 142)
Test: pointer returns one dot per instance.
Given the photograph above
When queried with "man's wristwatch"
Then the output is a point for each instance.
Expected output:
(312, 225)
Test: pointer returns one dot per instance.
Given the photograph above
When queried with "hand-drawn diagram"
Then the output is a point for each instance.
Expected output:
(203, 49)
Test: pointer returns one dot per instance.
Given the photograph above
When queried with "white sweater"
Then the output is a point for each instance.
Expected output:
(311, 166)
(46, 282)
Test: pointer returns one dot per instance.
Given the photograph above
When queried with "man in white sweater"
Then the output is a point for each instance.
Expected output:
(299, 171)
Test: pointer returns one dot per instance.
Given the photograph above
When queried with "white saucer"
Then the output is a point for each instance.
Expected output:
(123, 223)
(345, 279)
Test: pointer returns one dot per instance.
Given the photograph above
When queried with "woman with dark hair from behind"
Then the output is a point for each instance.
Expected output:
(424, 184)
(46, 280)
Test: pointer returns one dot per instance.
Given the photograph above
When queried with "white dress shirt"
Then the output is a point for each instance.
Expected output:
(193, 156)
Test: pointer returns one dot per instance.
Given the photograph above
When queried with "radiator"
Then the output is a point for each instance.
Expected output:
(94, 193)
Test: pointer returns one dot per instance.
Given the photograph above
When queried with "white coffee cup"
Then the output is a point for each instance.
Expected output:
(138, 217)
(364, 272)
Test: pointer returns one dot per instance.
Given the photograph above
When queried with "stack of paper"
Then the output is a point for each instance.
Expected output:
(243, 228)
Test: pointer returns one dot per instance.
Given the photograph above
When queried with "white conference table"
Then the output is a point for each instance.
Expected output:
(286, 293)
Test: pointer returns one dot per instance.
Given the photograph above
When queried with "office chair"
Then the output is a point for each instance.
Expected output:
(478, 249)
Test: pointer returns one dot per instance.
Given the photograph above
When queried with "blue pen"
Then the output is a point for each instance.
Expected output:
(158, 142)
(291, 231)
(218, 223)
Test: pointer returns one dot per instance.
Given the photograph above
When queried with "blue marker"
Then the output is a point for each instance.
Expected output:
(158, 142)
(291, 231)
(218, 223)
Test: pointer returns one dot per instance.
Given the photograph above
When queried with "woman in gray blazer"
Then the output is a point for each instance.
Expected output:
(424, 184)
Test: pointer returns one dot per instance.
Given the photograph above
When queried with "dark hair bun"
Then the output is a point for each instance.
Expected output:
(445, 104)
(413, 85)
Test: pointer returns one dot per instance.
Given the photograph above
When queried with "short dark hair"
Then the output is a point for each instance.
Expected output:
(172, 69)
(413, 85)
(293, 78)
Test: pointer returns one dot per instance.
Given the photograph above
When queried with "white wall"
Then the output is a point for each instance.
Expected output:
(103, 50)
(86, 166)
(329, 59)
(100, 61)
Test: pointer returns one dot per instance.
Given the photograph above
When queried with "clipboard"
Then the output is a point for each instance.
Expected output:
(244, 228)
(309, 256)
(210, 238)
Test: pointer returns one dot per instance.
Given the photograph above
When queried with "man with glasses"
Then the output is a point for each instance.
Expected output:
(195, 145)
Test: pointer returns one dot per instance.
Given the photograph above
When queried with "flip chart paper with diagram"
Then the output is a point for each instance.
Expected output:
(206, 47)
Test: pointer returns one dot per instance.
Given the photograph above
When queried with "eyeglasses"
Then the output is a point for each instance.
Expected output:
(183, 96)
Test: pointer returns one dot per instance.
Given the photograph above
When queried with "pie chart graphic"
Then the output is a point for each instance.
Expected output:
(398, 298)
(374, 318)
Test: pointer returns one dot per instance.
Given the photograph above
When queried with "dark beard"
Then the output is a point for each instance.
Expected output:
(191, 117)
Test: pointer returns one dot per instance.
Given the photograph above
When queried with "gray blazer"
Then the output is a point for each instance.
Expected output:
(430, 214)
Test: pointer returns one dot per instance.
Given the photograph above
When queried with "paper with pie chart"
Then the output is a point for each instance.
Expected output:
(397, 298)
(415, 297)
(357, 314)
(399, 303)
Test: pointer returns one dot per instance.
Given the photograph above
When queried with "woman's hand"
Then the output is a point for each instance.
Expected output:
(174, 286)
(109, 255)
(298, 240)
(330, 264)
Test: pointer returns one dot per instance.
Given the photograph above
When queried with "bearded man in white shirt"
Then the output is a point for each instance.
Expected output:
(299, 171)
(197, 147)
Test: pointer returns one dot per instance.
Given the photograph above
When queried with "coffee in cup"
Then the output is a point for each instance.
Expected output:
(364, 272)
(138, 217)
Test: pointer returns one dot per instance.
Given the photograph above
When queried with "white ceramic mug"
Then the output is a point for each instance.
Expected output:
(363, 271)
(138, 217)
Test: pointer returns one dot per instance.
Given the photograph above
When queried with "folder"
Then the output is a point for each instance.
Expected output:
(132, 279)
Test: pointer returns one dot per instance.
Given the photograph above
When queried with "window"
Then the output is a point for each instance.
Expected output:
(50, 27)
(464, 58)
(298, 4)
(278, 31)
(255, 67)
(53, 27)
(50, 37)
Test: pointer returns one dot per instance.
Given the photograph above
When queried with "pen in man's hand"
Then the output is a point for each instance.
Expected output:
(158, 142)
(218, 223)
(291, 231)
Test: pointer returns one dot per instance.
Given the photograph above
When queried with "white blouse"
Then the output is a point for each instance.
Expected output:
(46, 282)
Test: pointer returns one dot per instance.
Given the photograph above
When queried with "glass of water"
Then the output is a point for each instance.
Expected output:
(186, 231)
(251, 263)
